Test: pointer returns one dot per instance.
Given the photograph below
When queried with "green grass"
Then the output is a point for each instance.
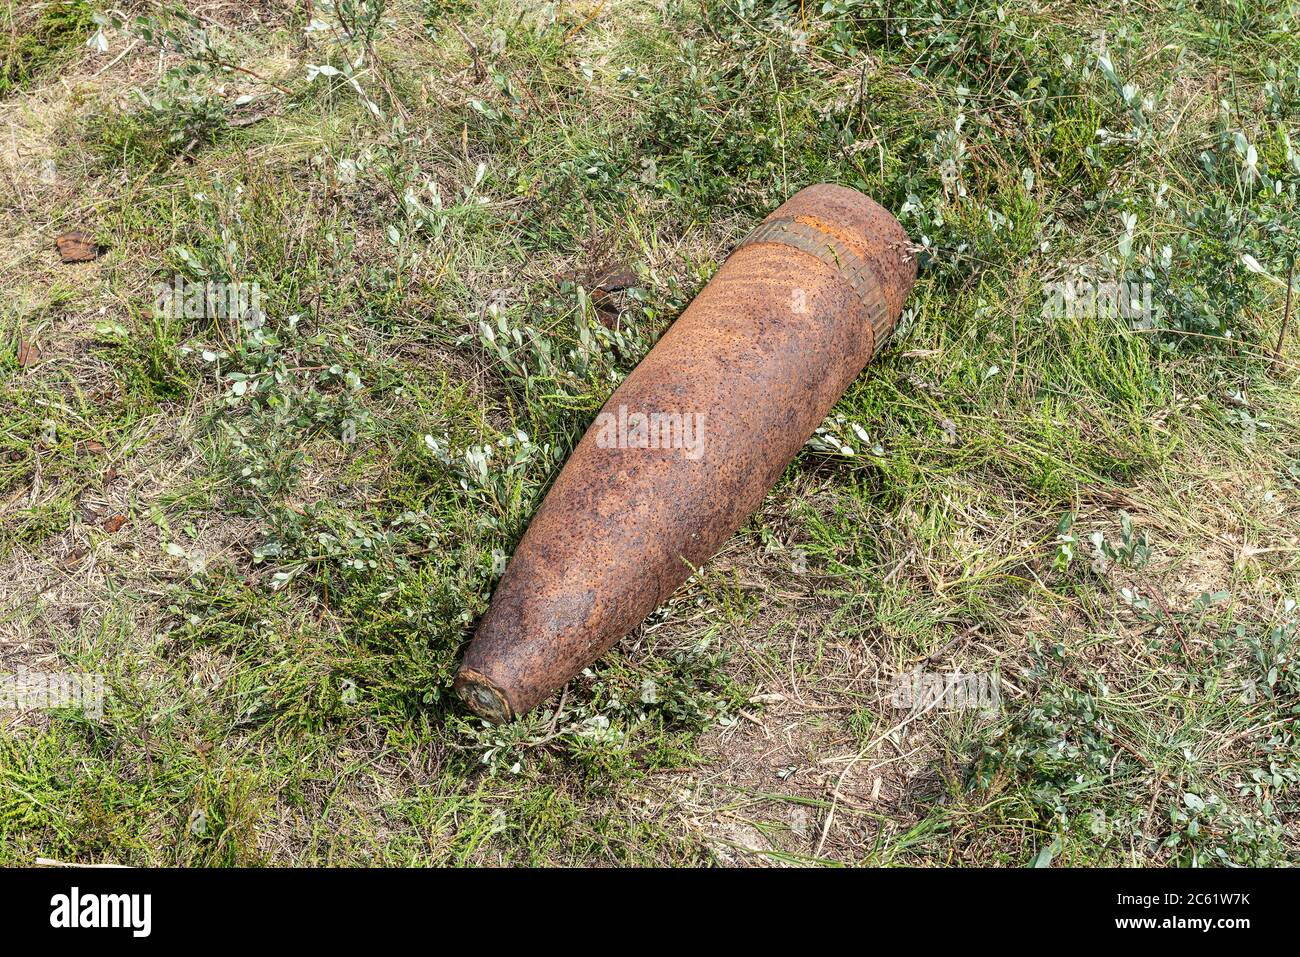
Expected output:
(37, 37)
(1101, 513)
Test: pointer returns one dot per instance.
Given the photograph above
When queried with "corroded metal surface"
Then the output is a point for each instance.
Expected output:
(763, 353)
(856, 271)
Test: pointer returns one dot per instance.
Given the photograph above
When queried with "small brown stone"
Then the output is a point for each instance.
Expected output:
(76, 247)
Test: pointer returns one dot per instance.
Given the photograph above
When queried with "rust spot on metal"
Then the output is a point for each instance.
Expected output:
(762, 354)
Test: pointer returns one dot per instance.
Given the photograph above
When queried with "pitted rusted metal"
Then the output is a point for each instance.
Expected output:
(857, 272)
(763, 352)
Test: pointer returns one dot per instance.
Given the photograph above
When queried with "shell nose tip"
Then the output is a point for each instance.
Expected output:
(482, 697)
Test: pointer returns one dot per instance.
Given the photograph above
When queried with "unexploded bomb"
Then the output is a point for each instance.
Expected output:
(687, 447)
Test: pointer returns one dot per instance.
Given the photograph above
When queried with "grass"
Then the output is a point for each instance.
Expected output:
(37, 38)
(272, 533)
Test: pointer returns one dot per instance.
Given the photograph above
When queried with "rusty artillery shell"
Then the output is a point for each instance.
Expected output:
(687, 447)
